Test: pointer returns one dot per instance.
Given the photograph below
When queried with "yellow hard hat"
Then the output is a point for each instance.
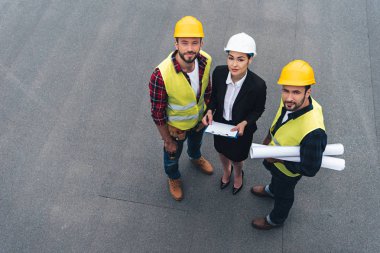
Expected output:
(297, 73)
(187, 27)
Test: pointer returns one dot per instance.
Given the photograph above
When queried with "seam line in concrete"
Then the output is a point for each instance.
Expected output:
(371, 73)
(141, 203)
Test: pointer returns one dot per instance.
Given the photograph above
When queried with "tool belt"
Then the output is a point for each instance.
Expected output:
(179, 134)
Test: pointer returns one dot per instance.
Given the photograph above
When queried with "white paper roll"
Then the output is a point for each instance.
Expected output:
(334, 149)
(263, 151)
(327, 162)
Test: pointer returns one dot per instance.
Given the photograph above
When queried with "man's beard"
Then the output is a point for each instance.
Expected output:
(188, 60)
(296, 106)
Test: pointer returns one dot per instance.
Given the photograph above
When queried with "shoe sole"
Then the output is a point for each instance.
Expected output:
(206, 172)
(178, 199)
(261, 228)
(265, 228)
(260, 195)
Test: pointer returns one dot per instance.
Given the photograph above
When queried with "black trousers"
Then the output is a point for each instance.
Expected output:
(282, 188)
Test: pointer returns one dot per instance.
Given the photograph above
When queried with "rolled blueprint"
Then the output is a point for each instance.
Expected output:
(328, 162)
(292, 154)
(263, 151)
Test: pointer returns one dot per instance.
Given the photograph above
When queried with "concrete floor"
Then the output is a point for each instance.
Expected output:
(80, 158)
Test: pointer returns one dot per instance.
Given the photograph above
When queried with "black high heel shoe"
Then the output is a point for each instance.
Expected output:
(224, 185)
(236, 190)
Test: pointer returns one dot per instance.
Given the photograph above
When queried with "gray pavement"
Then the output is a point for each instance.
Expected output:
(80, 159)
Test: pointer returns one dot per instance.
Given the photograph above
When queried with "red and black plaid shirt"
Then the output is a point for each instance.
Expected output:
(159, 97)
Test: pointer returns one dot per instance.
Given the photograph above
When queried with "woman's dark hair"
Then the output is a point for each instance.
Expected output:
(248, 55)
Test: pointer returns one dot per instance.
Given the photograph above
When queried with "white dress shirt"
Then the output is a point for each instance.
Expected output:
(231, 94)
(285, 118)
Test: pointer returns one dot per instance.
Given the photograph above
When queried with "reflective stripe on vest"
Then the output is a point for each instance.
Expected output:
(185, 118)
(294, 130)
(180, 107)
(182, 118)
(183, 111)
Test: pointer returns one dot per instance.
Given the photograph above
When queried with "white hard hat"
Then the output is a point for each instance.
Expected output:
(242, 43)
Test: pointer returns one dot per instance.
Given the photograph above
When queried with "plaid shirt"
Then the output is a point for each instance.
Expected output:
(159, 97)
(312, 146)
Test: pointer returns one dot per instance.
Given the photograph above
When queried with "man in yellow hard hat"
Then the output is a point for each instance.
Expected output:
(179, 92)
(298, 122)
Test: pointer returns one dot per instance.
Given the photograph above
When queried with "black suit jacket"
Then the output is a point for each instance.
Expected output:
(249, 104)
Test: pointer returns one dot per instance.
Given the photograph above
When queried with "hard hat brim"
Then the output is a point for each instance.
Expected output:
(228, 50)
(185, 35)
(292, 83)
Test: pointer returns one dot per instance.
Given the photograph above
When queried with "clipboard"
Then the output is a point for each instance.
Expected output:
(221, 129)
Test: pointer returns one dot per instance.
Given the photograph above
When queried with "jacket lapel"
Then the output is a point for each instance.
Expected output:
(245, 88)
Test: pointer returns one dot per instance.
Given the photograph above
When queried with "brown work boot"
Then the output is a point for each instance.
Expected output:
(204, 165)
(259, 191)
(175, 189)
(261, 223)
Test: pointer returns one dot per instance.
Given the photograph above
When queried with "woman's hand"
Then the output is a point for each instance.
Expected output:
(240, 127)
(207, 119)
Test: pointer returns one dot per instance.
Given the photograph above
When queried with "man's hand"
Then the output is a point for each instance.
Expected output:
(176, 133)
(240, 127)
(267, 139)
(273, 160)
(207, 119)
(170, 146)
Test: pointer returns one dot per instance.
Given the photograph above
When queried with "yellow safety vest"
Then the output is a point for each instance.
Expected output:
(293, 131)
(183, 111)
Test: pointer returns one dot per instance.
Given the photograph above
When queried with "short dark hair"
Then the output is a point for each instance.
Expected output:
(307, 87)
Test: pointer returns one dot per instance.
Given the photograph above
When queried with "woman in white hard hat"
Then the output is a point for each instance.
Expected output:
(238, 98)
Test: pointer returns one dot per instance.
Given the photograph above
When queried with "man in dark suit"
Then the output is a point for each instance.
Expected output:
(298, 122)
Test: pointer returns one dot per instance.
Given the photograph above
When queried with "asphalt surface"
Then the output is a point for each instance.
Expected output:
(81, 160)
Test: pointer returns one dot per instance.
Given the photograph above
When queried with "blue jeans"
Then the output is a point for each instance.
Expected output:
(194, 142)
